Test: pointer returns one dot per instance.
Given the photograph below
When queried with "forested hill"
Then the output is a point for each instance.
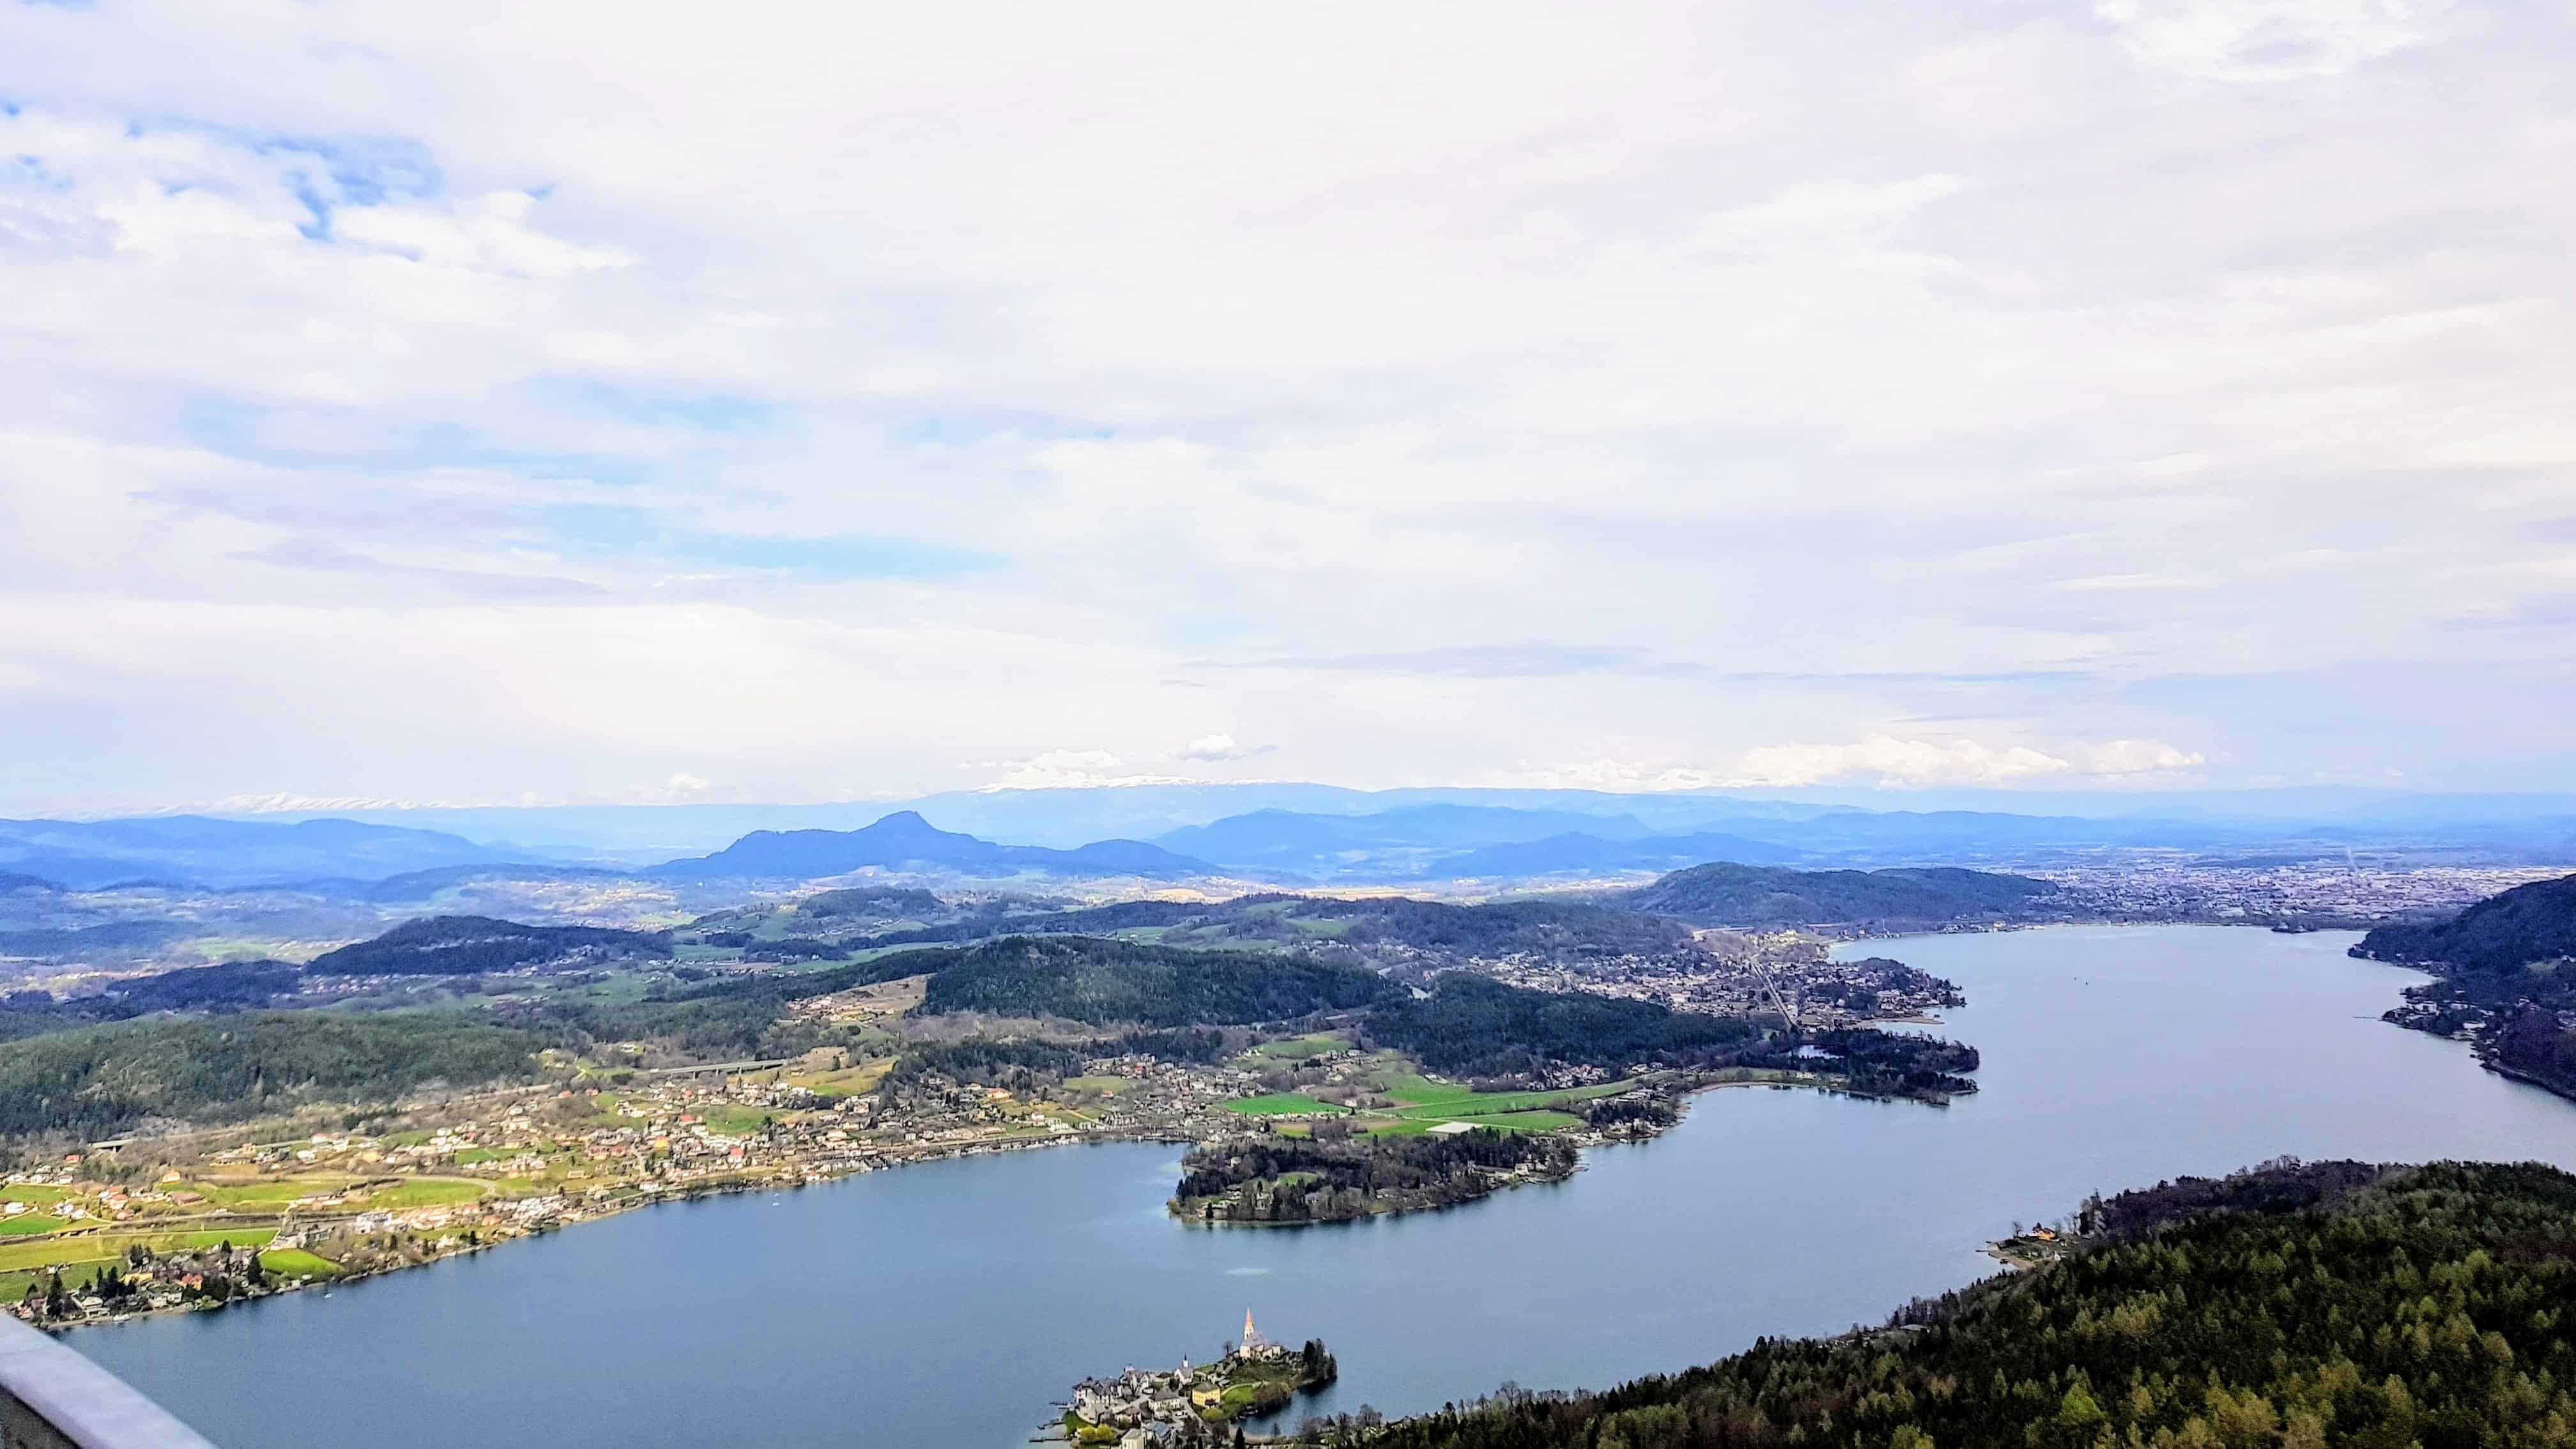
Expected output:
(464, 945)
(2435, 1307)
(103, 1079)
(2535, 922)
(1085, 978)
(1752, 895)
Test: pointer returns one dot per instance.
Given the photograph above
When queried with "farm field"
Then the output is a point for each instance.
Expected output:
(81, 1254)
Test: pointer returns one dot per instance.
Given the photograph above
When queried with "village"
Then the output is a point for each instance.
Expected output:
(1179, 1406)
(1741, 973)
(461, 1176)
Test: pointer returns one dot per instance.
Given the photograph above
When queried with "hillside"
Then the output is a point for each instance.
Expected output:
(462, 945)
(1092, 980)
(2504, 977)
(107, 1079)
(1747, 895)
(904, 839)
(2427, 1307)
(2535, 922)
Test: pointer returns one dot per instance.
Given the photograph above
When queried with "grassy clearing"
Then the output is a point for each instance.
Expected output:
(733, 1121)
(1282, 1104)
(25, 1223)
(1299, 1048)
(271, 1193)
(847, 1082)
(425, 1192)
(85, 1249)
(297, 1263)
(1421, 1096)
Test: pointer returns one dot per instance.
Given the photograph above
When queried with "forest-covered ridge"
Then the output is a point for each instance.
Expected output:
(2413, 1308)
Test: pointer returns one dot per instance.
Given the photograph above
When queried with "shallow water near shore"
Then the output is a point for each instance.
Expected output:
(951, 1303)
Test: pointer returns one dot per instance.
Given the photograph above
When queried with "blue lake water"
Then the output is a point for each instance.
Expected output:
(949, 1304)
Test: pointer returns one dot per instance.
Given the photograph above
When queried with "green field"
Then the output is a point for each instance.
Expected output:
(26, 1223)
(274, 1192)
(425, 1192)
(1281, 1104)
(734, 1121)
(83, 1254)
(297, 1263)
(1301, 1047)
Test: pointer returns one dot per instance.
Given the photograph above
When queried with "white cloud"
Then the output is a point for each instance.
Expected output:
(1900, 763)
(1884, 761)
(1213, 748)
(2270, 40)
(1071, 770)
(1966, 377)
(2120, 758)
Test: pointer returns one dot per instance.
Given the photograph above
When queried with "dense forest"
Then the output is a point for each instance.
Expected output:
(1753, 895)
(1287, 1180)
(878, 903)
(1875, 1063)
(1085, 978)
(471, 945)
(100, 1080)
(1557, 930)
(2430, 1307)
(2535, 922)
(232, 986)
(2507, 967)
(1472, 1026)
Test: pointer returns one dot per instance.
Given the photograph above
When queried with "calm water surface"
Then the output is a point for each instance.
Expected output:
(948, 1304)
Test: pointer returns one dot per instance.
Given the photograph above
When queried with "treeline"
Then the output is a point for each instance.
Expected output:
(1473, 1026)
(2535, 1043)
(1090, 979)
(1285, 1180)
(1876, 1063)
(2436, 1309)
(1557, 930)
(1755, 895)
(2535, 922)
(882, 903)
(1018, 1066)
(103, 1080)
(472, 945)
(232, 986)
(2510, 962)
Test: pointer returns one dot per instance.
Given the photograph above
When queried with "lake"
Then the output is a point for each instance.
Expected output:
(949, 1304)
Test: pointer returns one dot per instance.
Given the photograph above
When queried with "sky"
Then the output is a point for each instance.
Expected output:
(497, 403)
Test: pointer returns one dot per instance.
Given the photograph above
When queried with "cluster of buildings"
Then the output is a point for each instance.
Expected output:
(1160, 1406)
(2311, 891)
(1743, 974)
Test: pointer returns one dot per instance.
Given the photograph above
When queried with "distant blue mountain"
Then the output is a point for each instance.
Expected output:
(905, 839)
(1407, 841)
(1580, 854)
(196, 850)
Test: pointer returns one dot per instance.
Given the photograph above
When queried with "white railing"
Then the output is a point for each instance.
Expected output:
(52, 1398)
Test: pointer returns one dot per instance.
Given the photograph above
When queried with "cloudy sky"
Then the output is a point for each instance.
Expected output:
(499, 402)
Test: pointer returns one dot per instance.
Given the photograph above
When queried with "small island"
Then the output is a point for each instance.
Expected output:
(1328, 1178)
(1187, 1406)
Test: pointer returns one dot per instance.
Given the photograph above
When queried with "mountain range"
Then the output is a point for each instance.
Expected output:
(1347, 837)
(202, 851)
(905, 839)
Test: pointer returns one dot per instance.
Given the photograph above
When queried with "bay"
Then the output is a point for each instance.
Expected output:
(949, 1304)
